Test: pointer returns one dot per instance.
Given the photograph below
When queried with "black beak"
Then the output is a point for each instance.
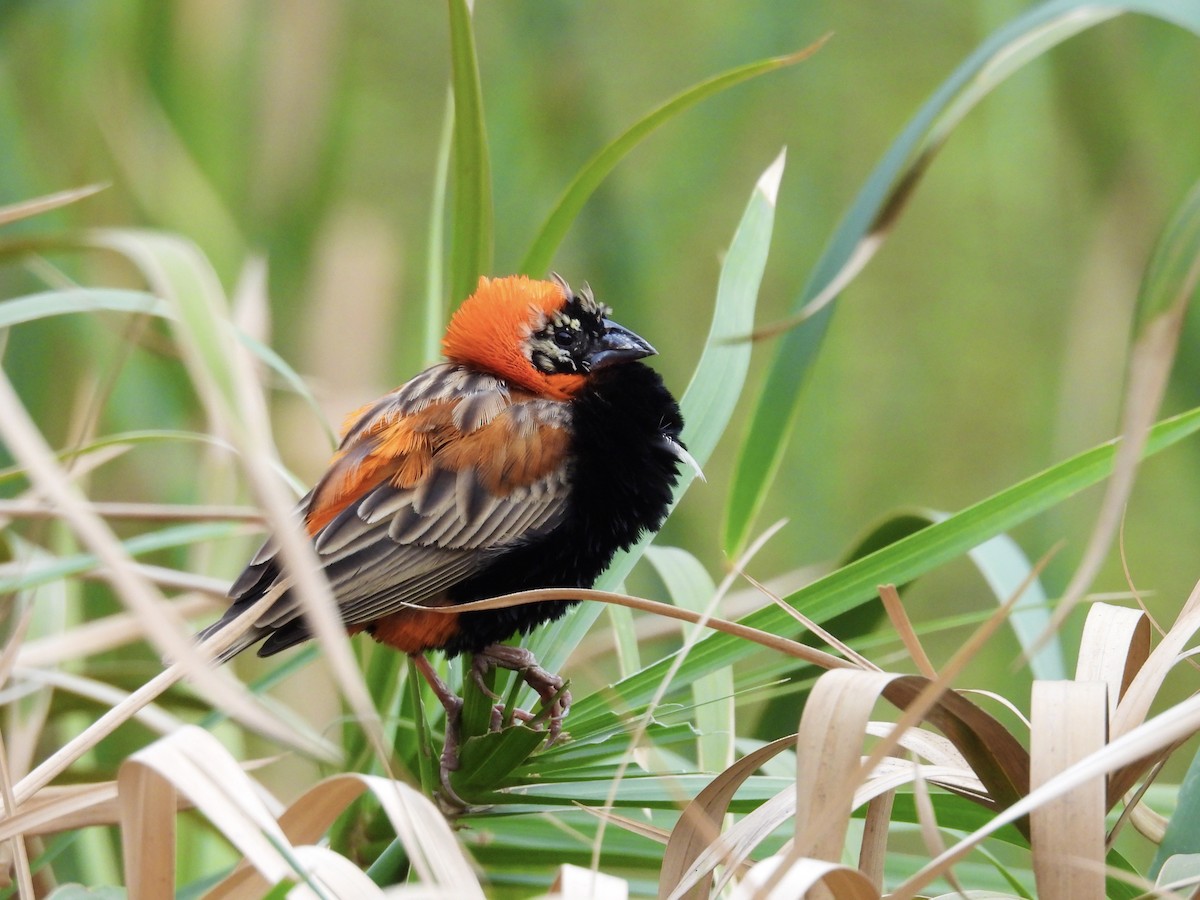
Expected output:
(618, 345)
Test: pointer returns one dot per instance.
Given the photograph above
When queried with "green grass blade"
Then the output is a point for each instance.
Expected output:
(711, 396)
(1006, 568)
(856, 583)
(435, 257)
(593, 173)
(60, 567)
(1175, 266)
(1183, 829)
(691, 587)
(177, 271)
(46, 304)
(875, 209)
(471, 231)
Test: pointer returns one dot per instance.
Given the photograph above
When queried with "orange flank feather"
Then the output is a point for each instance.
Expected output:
(493, 324)
(415, 630)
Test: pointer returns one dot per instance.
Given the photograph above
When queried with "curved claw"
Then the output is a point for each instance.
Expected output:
(556, 699)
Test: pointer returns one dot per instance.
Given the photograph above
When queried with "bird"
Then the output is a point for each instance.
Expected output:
(536, 450)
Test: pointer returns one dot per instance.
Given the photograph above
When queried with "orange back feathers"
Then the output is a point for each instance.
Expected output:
(489, 330)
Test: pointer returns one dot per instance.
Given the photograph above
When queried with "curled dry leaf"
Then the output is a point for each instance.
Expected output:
(785, 878)
(1113, 649)
(1070, 721)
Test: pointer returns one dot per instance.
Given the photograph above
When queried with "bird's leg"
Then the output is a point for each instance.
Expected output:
(453, 704)
(556, 699)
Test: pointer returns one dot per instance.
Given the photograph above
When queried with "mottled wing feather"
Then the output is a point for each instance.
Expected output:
(428, 484)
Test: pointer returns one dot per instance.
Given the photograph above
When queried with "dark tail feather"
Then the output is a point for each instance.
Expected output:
(245, 641)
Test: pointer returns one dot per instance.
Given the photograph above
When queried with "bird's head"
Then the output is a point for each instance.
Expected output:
(539, 335)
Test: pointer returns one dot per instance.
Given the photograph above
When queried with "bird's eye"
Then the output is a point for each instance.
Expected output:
(564, 337)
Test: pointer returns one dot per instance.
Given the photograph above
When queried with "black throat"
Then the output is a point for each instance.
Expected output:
(621, 479)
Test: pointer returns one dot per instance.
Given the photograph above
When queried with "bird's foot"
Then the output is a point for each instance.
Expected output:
(500, 712)
(453, 704)
(556, 699)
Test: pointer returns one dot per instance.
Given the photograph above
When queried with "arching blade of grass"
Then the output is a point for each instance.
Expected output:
(43, 305)
(856, 583)
(592, 175)
(1005, 568)
(435, 253)
(711, 396)
(875, 210)
(30, 576)
(471, 238)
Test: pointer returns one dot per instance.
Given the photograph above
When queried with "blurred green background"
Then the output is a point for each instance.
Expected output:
(985, 342)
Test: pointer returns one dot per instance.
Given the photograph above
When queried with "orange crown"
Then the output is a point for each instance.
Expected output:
(489, 331)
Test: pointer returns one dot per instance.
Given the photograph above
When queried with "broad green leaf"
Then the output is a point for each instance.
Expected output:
(710, 397)
(566, 844)
(593, 173)
(1180, 870)
(875, 210)
(490, 758)
(856, 583)
(691, 587)
(471, 230)
(1183, 830)
(625, 644)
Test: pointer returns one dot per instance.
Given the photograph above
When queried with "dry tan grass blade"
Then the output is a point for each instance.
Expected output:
(577, 882)
(700, 823)
(633, 826)
(16, 843)
(1114, 647)
(732, 848)
(98, 636)
(829, 758)
(1134, 706)
(1069, 722)
(1130, 750)
(898, 616)
(873, 853)
(436, 855)
(147, 802)
(801, 877)
(162, 625)
(794, 649)
(56, 809)
(14, 212)
(195, 764)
